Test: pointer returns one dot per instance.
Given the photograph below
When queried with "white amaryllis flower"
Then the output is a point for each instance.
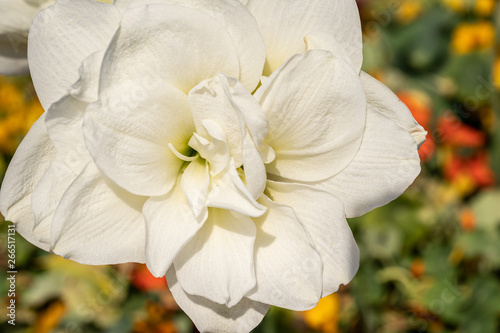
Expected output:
(15, 20)
(163, 143)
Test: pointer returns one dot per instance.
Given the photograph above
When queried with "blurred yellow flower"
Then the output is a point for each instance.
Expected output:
(496, 73)
(456, 5)
(409, 11)
(17, 114)
(324, 317)
(484, 7)
(49, 318)
(468, 37)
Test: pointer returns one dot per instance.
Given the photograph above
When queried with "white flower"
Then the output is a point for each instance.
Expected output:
(154, 149)
(15, 20)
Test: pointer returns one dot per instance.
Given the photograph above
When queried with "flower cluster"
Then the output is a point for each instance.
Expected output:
(222, 143)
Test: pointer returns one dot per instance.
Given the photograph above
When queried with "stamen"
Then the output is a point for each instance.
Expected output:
(181, 156)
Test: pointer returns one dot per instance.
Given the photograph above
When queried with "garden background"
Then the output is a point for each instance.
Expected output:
(430, 260)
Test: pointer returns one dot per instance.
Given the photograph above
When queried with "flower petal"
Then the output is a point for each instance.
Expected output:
(285, 23)
(240, 26)
(13, 66)
(170, 225)
(156, 31)
(218, 263)
(129, 139)
(316, 109)
(227, 191)
(194, 183)
(386, 102)
(98, 223)
(46, 196)
(213, 317)
(386, 164)
(287, 265)
(31, 160)
(324, 218)
(64, 121)
(15, 20)
(83, 27)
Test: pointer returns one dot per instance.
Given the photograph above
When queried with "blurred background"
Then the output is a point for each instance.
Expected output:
(430, 260)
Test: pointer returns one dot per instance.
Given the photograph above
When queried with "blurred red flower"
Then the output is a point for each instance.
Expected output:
(421, 109)
(143, 280)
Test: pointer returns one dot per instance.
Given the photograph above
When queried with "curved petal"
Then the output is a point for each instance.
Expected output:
(213, 317)
(170, 225)
(285, 23)
(15, 20)
(98, 223)
(212, 100)
(194, 183)
(386, 102)
(46, 196)
(227, 191)
(218, 263)
(316, 109)
(323, 216)
(55, 54)
(64, 121)
(196, 45)
(386, 164)
(31, 160)
(240, 26)
(129, 139)
(287, 265)
(16, 66)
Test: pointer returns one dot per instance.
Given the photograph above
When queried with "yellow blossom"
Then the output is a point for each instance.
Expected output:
(468, 37)
(409, 10)
(484, 7)
(496, 73)
(456, 5)
(324, 317)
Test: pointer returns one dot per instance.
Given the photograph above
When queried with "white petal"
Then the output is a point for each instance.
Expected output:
(194, 45)
(287, 265)
(10, 66)
(170, 224)
(212, 317)
(323, 216)
(386, 164)
(194, 184)
(64, 121)
(240, 26)
(316, 109)
(87, 87)
(129, 139)
(211, 100)
(218, 263)
(98, 223)
(386, 102)
(15, 20)
(255, 170)
(46, 196)
(285, 23)
(227, 191)
(31, 160)
(61, 37)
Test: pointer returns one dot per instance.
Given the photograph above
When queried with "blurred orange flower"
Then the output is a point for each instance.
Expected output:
(421, 108)
(143, 280)
(484, 7)
(473, 171)
(468, 37)
(324, 317)
(468, 219)
(452, 132)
